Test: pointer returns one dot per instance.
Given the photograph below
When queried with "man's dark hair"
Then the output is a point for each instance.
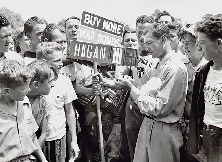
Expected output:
(144, 19)
(72, 17)
(48, 31)
(211, 25)
(164, 13)
(158, 30)
(4, 21)
(128, 30)
(31, 22)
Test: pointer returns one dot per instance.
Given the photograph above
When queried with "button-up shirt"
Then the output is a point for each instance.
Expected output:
(16, 131)
(167, 103)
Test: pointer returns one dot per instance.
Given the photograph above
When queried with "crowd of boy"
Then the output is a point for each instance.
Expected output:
(166, 108)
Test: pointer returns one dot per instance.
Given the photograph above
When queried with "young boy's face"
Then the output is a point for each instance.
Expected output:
(45, 87)
(19, 93)
(55, 60)
(36, 34)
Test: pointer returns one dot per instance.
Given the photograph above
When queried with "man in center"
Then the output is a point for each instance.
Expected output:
(161, 100)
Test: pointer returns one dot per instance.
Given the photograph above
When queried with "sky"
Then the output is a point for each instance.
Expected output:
(122, 10)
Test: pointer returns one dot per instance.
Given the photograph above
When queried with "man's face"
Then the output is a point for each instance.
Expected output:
(72, 27)
(24, 43)
(5, 38)
(166, 19)
(140, 28)
(174, 40)
(207, 46)
(130, 40)
(45, 87)
(190, 48)
(153, 45)
(107, 123)
(60, 38)
(19, 93)
(55, 60)
(36, 34)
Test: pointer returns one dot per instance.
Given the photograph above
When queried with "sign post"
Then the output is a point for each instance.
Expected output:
(99, 120)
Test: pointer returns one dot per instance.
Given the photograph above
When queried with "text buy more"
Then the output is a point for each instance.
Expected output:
(100, 23)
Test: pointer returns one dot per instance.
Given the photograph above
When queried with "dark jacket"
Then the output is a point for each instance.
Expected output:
(197, 109)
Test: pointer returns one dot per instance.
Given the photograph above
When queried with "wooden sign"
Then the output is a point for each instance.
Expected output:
(90, 52)
(98, 40)
(130, 57)
(95, 36)
(103, 24)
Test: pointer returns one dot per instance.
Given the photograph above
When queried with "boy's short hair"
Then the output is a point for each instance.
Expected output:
(31, 22)
(72, 17)
(128, 30)
(17, 36)
(211, 25)
(13, 74)
(48, 31)
(158, 30)
(40, 70)
(164, 13)
(190, 29)
(44, 49)
(4, 21)
(144, 19)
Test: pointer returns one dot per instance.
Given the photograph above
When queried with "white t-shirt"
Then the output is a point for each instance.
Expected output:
(61, 93)
(69, 71)
(213, 98)
(12, 55)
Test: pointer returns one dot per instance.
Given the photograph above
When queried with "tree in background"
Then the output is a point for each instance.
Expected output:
(155, 13)
(62, 23)
(13, 17)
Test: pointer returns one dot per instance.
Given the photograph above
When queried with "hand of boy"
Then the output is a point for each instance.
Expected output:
(75, 149)
(127, 80)
(97, 88)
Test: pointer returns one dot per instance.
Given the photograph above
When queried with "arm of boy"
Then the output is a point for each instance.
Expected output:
(71, 119)
(43, 132)
(38, 153)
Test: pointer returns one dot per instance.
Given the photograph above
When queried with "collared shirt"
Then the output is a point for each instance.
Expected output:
(61, 93)
(202, 62)
(167, 103)
(191, 75)
(16, 131)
